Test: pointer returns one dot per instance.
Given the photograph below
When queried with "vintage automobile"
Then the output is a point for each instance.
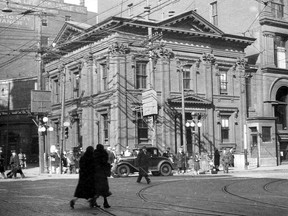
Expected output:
(158, 164)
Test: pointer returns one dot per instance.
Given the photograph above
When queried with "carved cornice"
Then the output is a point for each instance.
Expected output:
(119, 49)
(208, 58)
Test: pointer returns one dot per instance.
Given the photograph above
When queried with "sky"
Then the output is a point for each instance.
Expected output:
(90, 4)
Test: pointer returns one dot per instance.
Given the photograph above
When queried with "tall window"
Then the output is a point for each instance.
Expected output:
(280, 51)
(266, 134)
(277, 9)
(56, 91)
(142, 130)
(106, 126)
(214, 13)
(76, 84)
(186, 77)
(225, 128)
(104, 76)
(141, 75)
(223, 82)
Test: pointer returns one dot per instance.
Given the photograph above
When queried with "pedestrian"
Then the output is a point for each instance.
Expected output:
(85, 186)
(102, 170)
(71, 162)
(15, 165)
(225, 161)
(64, 162)
(127, 152)
(111, 155)
(55, 161)
(197, 164)
(22, 159)
(217, 159)
(168, 155)
(181, 161)
(2, 167)
(143, 164)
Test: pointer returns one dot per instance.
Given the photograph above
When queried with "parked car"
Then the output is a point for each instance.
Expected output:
(158, 164)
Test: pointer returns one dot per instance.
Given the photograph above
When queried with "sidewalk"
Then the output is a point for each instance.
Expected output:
(34, 172)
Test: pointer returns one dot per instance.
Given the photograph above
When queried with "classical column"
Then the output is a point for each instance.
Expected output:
(268, 59)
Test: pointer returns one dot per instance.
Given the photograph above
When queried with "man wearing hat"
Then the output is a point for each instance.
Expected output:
(15, 165)
(143, 165)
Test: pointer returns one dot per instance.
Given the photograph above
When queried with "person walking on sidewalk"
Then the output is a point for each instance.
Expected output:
(225, 161)
(85, 186)
(2, 167)
(15, 165)
(197, 164)
(143, 165)
(181, 161)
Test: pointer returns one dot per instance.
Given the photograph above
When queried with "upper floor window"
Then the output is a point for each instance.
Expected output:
(106, 127)
(280, 51)
(76, 84)
(56, 90)
(277, 9)
(141, 75)
(130, 9)
(186, 77)
(104, 76)
(225, 128)
(223, 82)
(214, 13)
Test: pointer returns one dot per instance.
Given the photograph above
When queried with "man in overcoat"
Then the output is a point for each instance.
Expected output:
(143, 165)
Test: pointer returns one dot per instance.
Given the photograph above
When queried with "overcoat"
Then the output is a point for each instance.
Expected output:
(143, 162)
(101, 171)
(85, 187)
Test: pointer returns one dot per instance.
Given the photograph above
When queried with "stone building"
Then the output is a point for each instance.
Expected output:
(120, 87)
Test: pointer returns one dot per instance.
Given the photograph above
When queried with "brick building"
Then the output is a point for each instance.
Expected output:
(106, 71)
(30, 24)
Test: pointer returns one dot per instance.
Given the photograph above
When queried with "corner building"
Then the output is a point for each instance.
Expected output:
(104, 70)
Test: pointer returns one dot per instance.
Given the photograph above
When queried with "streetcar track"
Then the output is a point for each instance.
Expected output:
(266, 187)
(225, 190)
(170, 206)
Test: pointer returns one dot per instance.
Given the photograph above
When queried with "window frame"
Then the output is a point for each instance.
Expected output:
(223, 83)
(214, 13)
(266, 135)
(225, 130)
(186, 77)
(277, 9)
(141, 75)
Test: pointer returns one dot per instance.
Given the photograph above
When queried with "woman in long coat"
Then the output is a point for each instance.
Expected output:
(181, 161)
(85, 187)
(102, 170)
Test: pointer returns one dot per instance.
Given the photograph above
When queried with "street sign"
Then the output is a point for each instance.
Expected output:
(40, 101)
(149, 101)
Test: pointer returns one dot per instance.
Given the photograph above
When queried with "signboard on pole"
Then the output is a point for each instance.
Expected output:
(149, 101)
(40, 101)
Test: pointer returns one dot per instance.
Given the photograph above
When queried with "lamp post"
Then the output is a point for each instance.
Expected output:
(196, 122)
(43, 128)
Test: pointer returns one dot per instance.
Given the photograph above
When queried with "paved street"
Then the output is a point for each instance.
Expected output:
(259, 192)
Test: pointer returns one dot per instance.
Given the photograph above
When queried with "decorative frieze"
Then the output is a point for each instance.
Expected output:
(119, 49)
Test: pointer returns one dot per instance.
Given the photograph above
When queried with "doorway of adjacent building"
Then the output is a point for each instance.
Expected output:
(281, 108)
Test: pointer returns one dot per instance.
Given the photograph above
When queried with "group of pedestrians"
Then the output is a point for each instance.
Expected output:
(93, 177)
(17, 162)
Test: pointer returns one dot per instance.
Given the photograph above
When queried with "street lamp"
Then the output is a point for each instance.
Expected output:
(43, 129)
(7, 9)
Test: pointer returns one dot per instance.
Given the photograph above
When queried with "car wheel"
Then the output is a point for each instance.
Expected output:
(156, 173)
(123, 170)
(165, 170)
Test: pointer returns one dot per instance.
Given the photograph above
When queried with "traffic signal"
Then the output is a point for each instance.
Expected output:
(66, 132)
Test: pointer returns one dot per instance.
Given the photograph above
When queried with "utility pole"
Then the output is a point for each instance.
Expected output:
(62, 70)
